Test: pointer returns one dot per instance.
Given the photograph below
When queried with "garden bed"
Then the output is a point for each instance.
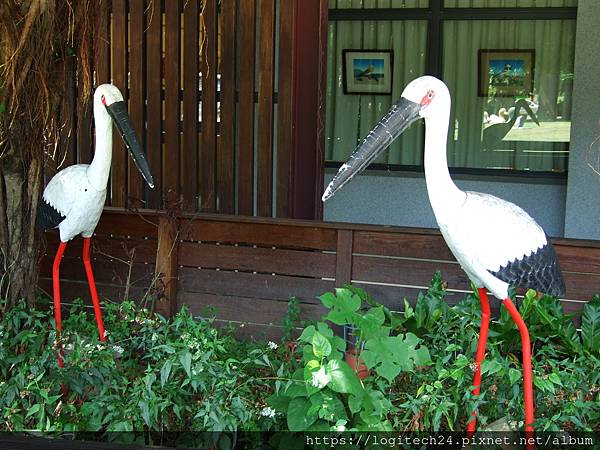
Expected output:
(184, 374)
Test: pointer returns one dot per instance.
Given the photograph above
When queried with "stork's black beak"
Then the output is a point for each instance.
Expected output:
(120, 117)
(402, 114)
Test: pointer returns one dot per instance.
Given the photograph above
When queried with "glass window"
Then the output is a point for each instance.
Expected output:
(511, 84)
(509, 3)
(351, 116)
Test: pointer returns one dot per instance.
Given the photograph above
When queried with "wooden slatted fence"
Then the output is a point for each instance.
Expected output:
(209, 90)
(247, 268)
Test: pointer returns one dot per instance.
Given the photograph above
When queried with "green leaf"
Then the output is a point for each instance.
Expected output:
(307, 334)
(321, 345)
(34, 409)
(555, 378)
(514, 375)
(391, 355)
(297, 417)
(165, 372)
(185, 359)
(343, 378)
(343, 306)
(590, 325)
(145, 411)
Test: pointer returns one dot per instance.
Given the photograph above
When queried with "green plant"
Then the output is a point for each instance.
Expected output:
(291, 320)
(326, 394)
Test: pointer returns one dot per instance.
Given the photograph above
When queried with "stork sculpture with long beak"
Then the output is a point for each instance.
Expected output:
(74, 198)
(497, 243)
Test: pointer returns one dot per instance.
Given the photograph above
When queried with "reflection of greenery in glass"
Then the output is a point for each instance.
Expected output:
(518, 141)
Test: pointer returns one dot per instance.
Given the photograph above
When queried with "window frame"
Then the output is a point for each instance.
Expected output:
(435, 15)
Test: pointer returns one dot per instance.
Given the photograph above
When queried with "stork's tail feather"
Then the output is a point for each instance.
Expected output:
(47, 216)
(539, 271)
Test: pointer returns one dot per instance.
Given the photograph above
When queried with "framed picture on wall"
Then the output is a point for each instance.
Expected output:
(505, 73)
(367, 71)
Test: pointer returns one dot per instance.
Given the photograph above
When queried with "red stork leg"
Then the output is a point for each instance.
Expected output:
(94, 293)
(527, 373)
(480, 355)
(56, 286)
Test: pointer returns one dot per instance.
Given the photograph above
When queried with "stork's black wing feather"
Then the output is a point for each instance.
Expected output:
(47, 216)
(539, 271)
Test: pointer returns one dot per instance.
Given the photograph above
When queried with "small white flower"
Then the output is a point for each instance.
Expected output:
(267, 412)
(118, 349)
(105, 333)
(272, 345)
(320, 378)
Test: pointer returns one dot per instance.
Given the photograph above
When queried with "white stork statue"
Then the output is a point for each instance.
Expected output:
(74, 198)
(497, 243)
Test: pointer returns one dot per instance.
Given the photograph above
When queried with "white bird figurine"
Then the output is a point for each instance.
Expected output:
(496, 242)
(74, 198)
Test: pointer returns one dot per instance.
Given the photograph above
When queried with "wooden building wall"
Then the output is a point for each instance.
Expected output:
(212, 89)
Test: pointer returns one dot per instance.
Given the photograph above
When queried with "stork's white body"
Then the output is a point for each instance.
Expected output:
(72, 195)
(483, 232)
(78, 192)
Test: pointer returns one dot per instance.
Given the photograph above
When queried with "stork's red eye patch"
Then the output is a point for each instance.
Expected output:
(426, 100)
(103, 100)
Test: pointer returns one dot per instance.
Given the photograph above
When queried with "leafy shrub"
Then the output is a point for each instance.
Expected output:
(156, 375)
(151, 374)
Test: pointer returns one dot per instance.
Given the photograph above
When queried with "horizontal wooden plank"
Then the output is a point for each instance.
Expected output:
(406, 271)
(248, 310)
(105, 271)
(148, 213)
(71, 290)
(578, 259)
(253, 285)
(140, 250)
(265, 260)
(393, 296)
(265, 234)
(402, 245)
(134, 225)
(581, 286)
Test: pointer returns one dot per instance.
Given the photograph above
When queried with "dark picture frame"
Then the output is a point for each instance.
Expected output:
(367, 71)
(505, 72)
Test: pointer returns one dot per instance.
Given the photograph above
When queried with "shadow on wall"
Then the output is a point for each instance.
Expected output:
(593, 156)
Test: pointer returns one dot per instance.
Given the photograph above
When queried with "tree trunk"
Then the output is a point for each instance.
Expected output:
(19, 253)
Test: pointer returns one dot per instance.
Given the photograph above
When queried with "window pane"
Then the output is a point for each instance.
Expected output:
(499, 130)
(509, 3)
(345, 4)
(351, 116)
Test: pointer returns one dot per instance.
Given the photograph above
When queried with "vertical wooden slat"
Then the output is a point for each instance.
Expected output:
(225, 160)
(265, 109)
(136, 94)
(166, 267)
(343, 259)
(208, 200)
(246, 108)
(310, 65)
(119, 75)
(102, 43)
(189, 185)
(284, 105)
(172, 64)
(154, 98)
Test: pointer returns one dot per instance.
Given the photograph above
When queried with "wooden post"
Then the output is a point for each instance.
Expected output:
(343, 260)
(166, 267)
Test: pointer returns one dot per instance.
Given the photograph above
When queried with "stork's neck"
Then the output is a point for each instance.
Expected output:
(445, 197)
(99, 169)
